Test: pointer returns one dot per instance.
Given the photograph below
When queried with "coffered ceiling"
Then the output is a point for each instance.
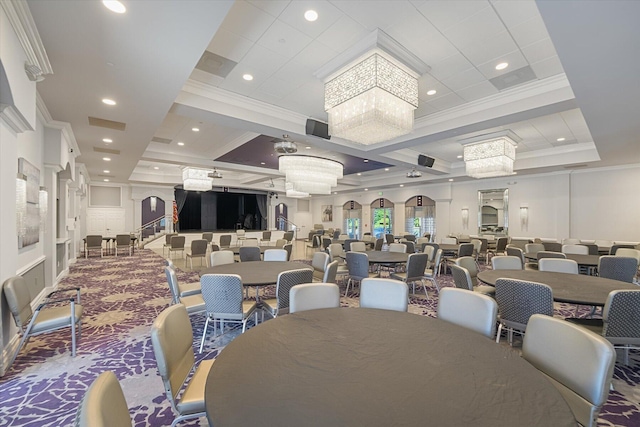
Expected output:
(568, 92)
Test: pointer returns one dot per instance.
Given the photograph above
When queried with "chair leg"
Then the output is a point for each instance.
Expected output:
(204, 333)
(499, 333)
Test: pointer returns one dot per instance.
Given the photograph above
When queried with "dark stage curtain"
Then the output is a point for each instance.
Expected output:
(190, 216)
(209, 211)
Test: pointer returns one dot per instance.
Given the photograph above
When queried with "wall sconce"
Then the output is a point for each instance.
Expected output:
(524, 218)
(43, 205)
(153, 202)
(21, 205)
(465, 218)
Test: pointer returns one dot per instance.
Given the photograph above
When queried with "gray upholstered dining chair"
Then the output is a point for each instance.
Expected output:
(208, 236)
(506, 262)
(225, 240)
(617, 268)
(471, 310)
(385, 294)
(177, 244)
(432, 273)
(266, 238)
(123, 243)
(288, 236)
(198, 250)
(275, 255)
(319, 263)
(289, 248)
(576, 249)
(249, 253)
(172, 341)
(93, 242)
(167, 241)
(462, 280)
(558, 265)
(330, 272)
(358, 246)
(578, 363)
(49, 316)
(286, 280)
(189, 296)
(416, 265)
(358, 266)
(103, 404)
(517, 301)
(221, 258)
(517, 252)
(313, 296)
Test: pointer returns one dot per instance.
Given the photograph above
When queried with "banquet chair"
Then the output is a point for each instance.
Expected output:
(266, 238)
(347, 244)
(619, 323)
(430, 251)
(225, 240)
(249, 253)
(336, 253)
(44, 318)
(416, 264)
(343, 236)
(358, 246)
(286, 280)
(251, 242)
(517, 301)
(470, 310)
(411, 246)
(123, 242)
(570, 241)
(241, 235)
(550, 254)
(615, 247)
(313, 296)
(465, 249)
(378, 245)
(633, 253)
(617, 268)
(315, 242)
(576, 249)
(214, 247)
(533, 248)
(336, 234)
(275, 255)
(449, 241)
(208, 236)
(577, 362)
(326, 241)
(221, 258)
(398, 247)
(420, 241)
(462, 280)
(167, 241)
(103, 405)
(94, 242)
(558, 265)
(330, 272)
(319, 263)
(409, 237)
(506, 262)
(552, 246)
(501, 245)
(389, 238)
(432, 273)
(222, 294)
(592, 249)
(198, 250)
(477, 248)
(288, 247)
(288, 236)
(190, 296)
(172, 341)
(385, 294)
(470, 264)
(177, 244)
(517, 252)
(358, 266)
(280, 243)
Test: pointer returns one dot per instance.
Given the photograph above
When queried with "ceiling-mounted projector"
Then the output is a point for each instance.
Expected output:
(284, 146)
(414, 173)
(215, 174)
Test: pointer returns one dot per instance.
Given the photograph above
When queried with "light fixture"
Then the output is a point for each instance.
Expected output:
(106, 180)
(21, 206)
(450, 179)
(386, 169)
(311, 15)
(107, 140)
(108, 101)
(366, 189)
(560, 139)
(181, 143)
(432, 92)
(194, 179)
(247, 77)
(401, 185)
(308, 174)
(43, 201)
(106, 159)
(359, 174)
(153, 203)
(502, 66)
(156, 167)
(524, 218)
(106, 171)
(114, 6)
(371, 101)
(215, 174)
(414, 173)
(291, 192)
(465, 218)
(490, 155)
(195, 129)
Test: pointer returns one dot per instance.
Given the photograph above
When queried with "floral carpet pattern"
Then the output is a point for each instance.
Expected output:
(121, 298)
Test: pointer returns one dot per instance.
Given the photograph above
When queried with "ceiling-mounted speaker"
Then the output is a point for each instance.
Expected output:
(317, 128)
(426, 161)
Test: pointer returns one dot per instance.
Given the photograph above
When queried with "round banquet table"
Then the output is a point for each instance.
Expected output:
(570, 288)
(256, 273)
(236, 249)
(585, 260)
(386, 257)
(368, 367)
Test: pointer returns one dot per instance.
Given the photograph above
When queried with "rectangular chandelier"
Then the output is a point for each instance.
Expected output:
(490, 158)
(194, 179)
(371, 102)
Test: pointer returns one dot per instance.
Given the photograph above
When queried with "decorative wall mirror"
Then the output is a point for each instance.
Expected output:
(493, 212)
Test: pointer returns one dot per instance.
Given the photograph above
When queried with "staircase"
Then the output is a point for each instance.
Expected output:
(154, 230)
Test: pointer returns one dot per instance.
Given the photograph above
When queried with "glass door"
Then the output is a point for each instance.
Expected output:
(353, 228)
(382, 221)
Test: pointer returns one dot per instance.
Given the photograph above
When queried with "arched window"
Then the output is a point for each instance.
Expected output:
(420, 216)
(352, 219)
(381, 217)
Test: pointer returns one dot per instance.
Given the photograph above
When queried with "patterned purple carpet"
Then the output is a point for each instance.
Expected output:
(121, 298)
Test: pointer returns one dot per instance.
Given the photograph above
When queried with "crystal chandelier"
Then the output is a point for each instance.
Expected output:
(372, 101)
(311, 175)
(195, 179)
(291, 192)
(490, 157)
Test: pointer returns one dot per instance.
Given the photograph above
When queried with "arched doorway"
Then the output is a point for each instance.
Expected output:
(282, 217)
(152, 211)
(420, 216)
(381, 217)
(352, 218)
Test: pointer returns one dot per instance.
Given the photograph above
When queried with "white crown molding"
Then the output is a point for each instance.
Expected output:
(14, 119)
(22, 22)
(64, 127)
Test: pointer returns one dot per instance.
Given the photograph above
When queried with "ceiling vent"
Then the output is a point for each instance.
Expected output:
(161, 140)
(105, 150)
(513, 78)
(414, 173)
(285, 146)
(215, 64)
(109, 124)
(215, 174)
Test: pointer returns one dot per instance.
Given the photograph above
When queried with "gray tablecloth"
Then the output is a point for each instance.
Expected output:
(366, 367)
(386, 257)
(586, 260)
(256, 273)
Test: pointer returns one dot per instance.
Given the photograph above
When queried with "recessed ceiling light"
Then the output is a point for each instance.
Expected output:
(450, 179)
(106, 180)
(114, 6)
(359, 173)
(366, 189)
(107, 140)
(262, 163)
(366, 160)
(156, 167)
(181, 143)
(108, 101)
(560, 139)
(401, 185)
(195, 129)
(432, 92)
(307, 147)
(459, 157)
(311, 15)
(502, 66)
(106, 159)
(106, 171)
(386, 169)
(335, 192)
(247, 77)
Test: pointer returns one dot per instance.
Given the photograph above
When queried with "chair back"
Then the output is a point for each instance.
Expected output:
(199, 247)
(358, 246)
(288, 236)
(550, 254)
(378, 245)
(208, 236)
(167, 238)
(172, 341)
(357, 264)
(18, 300)
(330, 272)
(429, 250)
(250, 242)
(313, 296)
(465, 249)
(517, 252)
(591, 248)
(461, 278)
(416, 264)
(385, 294)
(470, 264)
(552, 246)
(501, 244)
(558, 265)
(620, 317)
(240, 233)
(221, 258)
(398, 247)
(103, 405)
(280, 243)
(286, 281)
(123, 240)
(249, 253)
(214, 247)
(614, 248)
(172, 281)
(436, 262)
(570, 241)
(579, 362)
(336, 234)
(534, 247)
(449, 241)
(266, 235)
(347, 244)
(422, 240)
(275, 255)
(409, 237)
(518, 300)
(617, 268)
(94, 241)
(389, 238)
(319, 263)
(222, 294)
(506, 262)
(471, 310)
(336, 251)
(288, 247)
(177, 242)
(225, 240)
(628, 252)
(326, 241)
(575, 249)
(411, 246)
